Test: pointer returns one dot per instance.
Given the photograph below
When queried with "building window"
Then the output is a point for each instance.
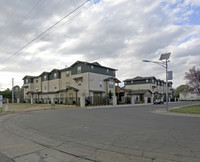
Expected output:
(111, 84)
(147, 80)
(45, 77)
(55, 75)
(107, 70)
(71, 96)
(67, 73)
(67, 84)
(55, 87)
(26, 80)
(36, 80)
(131, 81)
(79, 83)
(79, 69)
(100, 84)
(113, 72)
(36, 89)
(92, 67)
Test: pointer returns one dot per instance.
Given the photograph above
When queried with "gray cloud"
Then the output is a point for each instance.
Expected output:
(116, 33)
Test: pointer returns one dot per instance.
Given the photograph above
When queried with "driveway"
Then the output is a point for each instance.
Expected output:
(121, 133)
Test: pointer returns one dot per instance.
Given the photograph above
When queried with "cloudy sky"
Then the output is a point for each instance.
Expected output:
(115, 33)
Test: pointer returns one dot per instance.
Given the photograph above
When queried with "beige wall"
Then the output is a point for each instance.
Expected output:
(37, 84)
(139, 87)
(54, 83)
(84, 88)
(27, 87)
(45, 84)
(65, 79)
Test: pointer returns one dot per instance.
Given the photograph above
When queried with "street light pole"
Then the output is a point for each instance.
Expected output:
(164, 56)
(166, 86)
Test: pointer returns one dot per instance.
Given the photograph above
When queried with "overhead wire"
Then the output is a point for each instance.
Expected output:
(67, 20)
(45, 31)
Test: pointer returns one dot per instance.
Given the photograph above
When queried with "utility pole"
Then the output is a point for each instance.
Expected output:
(12, 90)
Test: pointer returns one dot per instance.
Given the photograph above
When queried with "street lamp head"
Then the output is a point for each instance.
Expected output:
(146, 61)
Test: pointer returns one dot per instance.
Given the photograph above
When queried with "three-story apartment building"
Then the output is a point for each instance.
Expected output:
(82, 79)
(146, 87)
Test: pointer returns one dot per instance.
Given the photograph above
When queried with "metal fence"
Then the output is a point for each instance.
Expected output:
(97, 100)
(124, 100)
(65, 101)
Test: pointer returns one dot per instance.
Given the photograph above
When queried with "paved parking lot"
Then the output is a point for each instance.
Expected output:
(122, 133)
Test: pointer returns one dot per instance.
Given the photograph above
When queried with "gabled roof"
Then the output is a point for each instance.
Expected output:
(112, 78)
(94, 63)
(28, 76)
(68, 68)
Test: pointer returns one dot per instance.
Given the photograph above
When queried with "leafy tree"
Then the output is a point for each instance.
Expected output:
(181, 88)
(6, 94)
(193, 78)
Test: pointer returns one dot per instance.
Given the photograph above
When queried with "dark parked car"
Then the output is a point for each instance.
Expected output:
(158, 101)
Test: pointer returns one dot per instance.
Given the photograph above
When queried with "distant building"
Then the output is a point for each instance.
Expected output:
(82, 79)
(189, 95)
(147, 89)
(18, 94)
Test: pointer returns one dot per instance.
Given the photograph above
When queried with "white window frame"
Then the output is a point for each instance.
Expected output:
(79, 69)
(79, 82)
(100, 84)
(67, 73)
(67, 84)
(55, 75)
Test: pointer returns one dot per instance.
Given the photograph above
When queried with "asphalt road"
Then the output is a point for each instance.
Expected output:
(122, 133)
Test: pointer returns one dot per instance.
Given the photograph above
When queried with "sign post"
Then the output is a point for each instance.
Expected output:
(1, 100)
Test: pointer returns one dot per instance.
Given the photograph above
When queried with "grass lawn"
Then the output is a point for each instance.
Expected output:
(22, 107)
(189, 109)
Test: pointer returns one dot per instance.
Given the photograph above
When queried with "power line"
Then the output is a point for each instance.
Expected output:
(68, 20)
(17, 52)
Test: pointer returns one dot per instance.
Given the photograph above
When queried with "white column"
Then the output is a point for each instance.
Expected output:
(114, 100)
(132, 99)
(82, 101)
(31, 100)
(145, 100)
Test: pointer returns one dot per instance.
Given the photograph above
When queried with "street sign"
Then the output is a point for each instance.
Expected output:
(169, 75)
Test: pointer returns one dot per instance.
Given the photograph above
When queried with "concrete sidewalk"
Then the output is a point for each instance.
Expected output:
(4, 158)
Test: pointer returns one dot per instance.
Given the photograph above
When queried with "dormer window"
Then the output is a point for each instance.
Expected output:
(45, 77)
(107, 70)
(26, 80)
(79, 69)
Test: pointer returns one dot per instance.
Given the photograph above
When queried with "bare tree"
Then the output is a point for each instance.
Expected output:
(193, 78)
